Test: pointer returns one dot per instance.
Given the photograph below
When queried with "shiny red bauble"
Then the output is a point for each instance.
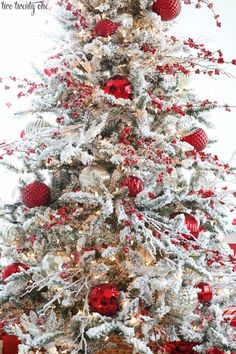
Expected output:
(206, 293)
(229, 315)
(104, 299)
(105, 28)
(118, 86)
(198, 139)
(167, 9)
(12, 269)
(191, 224)
(180, 347)
(9, 344)
(36, 194)
(134, 184)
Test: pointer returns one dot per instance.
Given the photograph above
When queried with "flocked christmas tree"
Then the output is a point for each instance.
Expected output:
(115, 242)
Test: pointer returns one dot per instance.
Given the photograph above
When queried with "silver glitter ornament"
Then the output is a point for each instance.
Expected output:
(182, 303)
(86, 179)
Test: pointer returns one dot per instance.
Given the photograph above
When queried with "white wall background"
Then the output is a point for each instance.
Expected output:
(199, 25)
(23, 39)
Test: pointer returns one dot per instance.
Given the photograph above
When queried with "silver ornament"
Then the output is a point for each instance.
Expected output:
(36, 125)
(86, 179)
(182, 303)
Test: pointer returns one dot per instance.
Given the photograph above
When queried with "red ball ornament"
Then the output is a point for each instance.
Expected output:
(206, 294)
(9, 344)
(104, 299)
(135, 185)
(12, 269)
(191, 224)
(198, 139)
(118, 86)
(167, 9)
(105, 28)
(180, 347)
(36, 194)
(230, 315)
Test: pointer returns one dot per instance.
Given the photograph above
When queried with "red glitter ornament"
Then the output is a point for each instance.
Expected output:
(134, 184)
(9, 344)
(230, 315)
(36, 194)
(118, 86)
(198, 139)
(191, 224)
(167, 9)
(104, 299)
(12, 269)
(180, 347)
(206, 294)
(105, 28)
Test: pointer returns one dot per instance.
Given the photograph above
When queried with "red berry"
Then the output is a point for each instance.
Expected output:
(104, 299)
(105, 28)
(198, 139)
(22, 134)
(134, 184)
(118, 86)
(206, 294)
(167, 9)
(13, 269)
(36, 194)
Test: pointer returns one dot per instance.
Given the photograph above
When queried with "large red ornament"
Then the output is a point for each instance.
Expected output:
(12, 269)
(206, 294)
(191, 224)
(36, 194)
(198, 139)
(180, 347)
(9, 344)
(104, 299)
(105, 28)
(230, 315)
(118, 86)
(167, 9)
(135, 185)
